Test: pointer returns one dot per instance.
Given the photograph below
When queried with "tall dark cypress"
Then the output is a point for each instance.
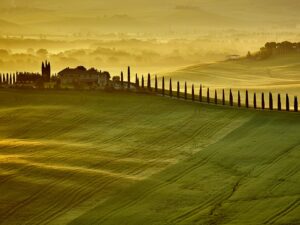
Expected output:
(143, 85)
(149, 82)
(136, 81)
(200, 93)
(208, 98)
(170, 88)
(223, 97)
(296, 104)
(193, 93)
(216, 97)
(178, 89)
(128, 77)
(7, 78)
(270, 101)
(239, 99)
(287, 102)
(231, 97)
(278, 102)
(254, 101)
(163, 86)
(262, 100)
(247, 99)
(156, 84)
(185, 90)
(122, 80)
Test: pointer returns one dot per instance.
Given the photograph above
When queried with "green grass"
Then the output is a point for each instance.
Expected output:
(112, 158)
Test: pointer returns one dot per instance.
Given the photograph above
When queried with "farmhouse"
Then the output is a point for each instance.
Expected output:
(81, 75)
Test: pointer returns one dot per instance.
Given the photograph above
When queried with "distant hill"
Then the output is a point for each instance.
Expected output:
(155, 15)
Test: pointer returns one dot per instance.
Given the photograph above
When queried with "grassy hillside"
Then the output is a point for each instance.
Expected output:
(111, 158)
(279, 74)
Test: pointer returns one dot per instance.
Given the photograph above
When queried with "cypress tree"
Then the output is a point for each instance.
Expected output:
(287, 102)
(7, 78)
(122, 80)
(136, 81)
(247, 99)
(163, 86)
(178, 89)
(149, 82)
(223, 97)
(270, 101)
(156, 85)
(170, 88)
(296, 104)
(193, 93)
(128, 77)
(208, 98)
(143, 82)
(262, 100)
(278, 102)
(239, 99)
(231, 97)
(185, 90)
(216, 97)
(254, 100)
(200, 93)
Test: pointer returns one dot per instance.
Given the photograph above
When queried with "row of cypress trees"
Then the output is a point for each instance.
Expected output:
(208, 99)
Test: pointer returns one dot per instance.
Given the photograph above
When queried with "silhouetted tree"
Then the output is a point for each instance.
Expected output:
(247, 99)
(143, 82)
(122, 80)
(279, 102)
(163, 86)
(216, 97)
(296, 104)
(128, 77)
(170, 88)
(193, 93)
(137, 81)
(208, 98)
(270, 101)
(230, 98)
(223, 97)
(149, 82)
(262, 100)
(185, 90)
(254, 101)
(178, 89)
(156, 84)
(200, 93)
(287, 102)
(7, 78)
(239, 99)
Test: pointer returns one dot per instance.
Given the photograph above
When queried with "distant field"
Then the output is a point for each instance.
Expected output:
(122, 158)
(277, 74)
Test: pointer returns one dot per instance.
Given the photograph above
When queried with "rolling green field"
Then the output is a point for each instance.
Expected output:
(278, 74)
(70, 157)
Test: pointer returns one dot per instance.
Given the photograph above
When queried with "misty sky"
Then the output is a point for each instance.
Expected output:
(65, 16)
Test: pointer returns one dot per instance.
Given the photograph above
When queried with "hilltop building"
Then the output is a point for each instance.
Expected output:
(81, 75)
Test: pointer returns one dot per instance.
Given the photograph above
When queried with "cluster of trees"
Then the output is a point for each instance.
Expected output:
(274, 48)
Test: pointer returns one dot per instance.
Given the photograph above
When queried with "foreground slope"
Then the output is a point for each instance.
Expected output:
(111, 158)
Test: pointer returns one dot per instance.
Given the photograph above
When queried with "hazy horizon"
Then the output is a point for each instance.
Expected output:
(151, 36)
